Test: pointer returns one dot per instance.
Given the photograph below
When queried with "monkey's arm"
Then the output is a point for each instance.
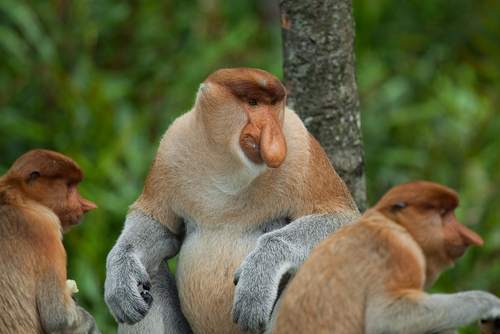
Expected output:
(142, 245)
(58, 311)
(430, 313)
(277, 253)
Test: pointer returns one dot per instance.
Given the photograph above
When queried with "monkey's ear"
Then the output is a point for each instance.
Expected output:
(33, 176)
(397, 207)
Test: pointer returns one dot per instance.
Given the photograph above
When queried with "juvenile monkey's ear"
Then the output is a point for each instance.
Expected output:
(33, 176)
(397, 207)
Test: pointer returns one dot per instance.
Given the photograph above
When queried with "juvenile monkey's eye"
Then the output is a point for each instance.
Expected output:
(33, 175)
(273, 102)
(252, 102)
(443, 212)
(398, 206)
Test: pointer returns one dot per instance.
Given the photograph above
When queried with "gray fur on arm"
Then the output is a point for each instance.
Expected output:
(436, 313)
(141, 247)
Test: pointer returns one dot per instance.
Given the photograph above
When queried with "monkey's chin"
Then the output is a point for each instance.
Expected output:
(456, 252)
(67, 224)
(252, 152)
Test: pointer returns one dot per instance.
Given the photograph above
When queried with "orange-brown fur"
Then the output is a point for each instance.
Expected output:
(214, 192)
(391, 253)
(491, 326)
(38, 201)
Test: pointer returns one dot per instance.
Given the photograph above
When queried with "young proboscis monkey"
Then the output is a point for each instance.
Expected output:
(489, 326)
(242, 192)
(369, 277)
(39, 200)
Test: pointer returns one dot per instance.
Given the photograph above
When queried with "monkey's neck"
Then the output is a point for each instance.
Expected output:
(232, 181)
(230, 172)
(11, 195)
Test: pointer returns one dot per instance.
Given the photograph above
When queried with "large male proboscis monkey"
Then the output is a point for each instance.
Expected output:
(370, 277)
(243, 193)
(39, 200)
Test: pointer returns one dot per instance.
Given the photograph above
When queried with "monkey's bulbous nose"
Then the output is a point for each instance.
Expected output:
(273, 145)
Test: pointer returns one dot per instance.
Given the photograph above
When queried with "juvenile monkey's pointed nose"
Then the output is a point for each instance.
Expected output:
(471, 238)
(87, 205)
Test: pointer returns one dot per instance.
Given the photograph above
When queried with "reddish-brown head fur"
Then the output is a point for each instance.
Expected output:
(426, 210)
(262, 98)
(50, 179)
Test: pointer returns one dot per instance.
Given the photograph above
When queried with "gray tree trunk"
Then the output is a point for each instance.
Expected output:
(320, 77)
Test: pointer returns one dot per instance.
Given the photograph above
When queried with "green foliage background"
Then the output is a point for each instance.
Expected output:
(100, 81)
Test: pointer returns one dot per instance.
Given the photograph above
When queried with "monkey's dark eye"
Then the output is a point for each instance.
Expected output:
(398, 206)
(33, 175)
(273, 102)
(252, 102)
(443, 212)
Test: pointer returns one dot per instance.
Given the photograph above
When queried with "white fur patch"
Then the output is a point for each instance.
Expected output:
(202, 87)
(240, 178)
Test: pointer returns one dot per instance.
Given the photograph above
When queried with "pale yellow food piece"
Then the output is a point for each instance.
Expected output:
(71, 286)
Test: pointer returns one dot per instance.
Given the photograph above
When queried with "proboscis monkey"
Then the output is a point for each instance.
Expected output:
(39, 200)
(489, 326)
(242, 192)
(369, 277)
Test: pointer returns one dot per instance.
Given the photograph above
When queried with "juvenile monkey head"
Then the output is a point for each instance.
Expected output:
(246, 106)
(50, 179)
(427, 211)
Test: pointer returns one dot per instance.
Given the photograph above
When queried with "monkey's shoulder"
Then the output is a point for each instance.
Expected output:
(13, 220)
(29, 222)
(314, 177)
(385, 243)
(401, 254)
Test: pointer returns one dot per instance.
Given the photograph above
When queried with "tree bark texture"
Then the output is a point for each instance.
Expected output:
(319, 68)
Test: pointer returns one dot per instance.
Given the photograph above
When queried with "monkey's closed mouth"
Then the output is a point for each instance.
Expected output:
(255, 145)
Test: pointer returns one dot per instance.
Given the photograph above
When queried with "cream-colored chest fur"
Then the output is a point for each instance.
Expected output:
(205, 273)
(221, 230)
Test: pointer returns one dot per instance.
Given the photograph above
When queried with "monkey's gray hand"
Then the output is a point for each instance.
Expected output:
(142, 246)
(257, 281)
(126, 277)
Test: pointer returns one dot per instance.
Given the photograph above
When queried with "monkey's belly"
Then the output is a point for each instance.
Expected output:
(205, 275)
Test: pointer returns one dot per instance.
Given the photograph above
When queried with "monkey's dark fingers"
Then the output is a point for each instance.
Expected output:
(146, 285)
(128, 302)
(147, 297)
(144, 292)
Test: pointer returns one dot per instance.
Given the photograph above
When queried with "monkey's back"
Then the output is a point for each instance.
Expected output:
(331, 291)
(18, 309)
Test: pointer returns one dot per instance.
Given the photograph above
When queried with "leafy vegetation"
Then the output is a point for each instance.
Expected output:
(100, 81)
